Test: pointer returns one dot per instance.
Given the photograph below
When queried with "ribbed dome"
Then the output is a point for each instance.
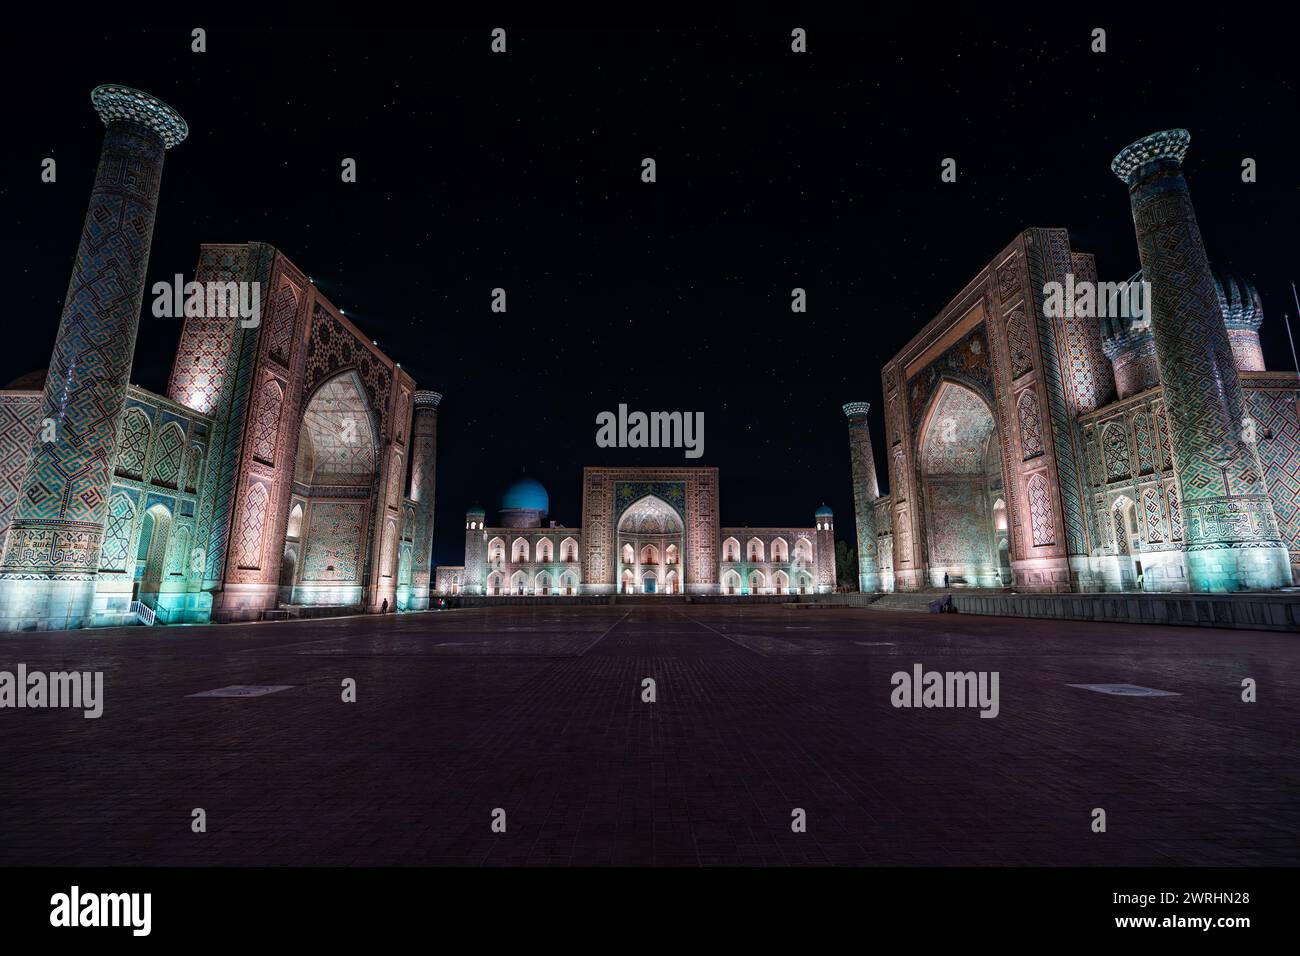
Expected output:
(1130, 328)
(31, 382)
(824, 512)
(1238, 301)
(526, 494)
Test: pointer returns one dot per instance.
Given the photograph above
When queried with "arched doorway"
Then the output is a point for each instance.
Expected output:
(1128, 545)
(1002, 541)
(151, 554)
(647, 530)
(961, 483)
(334, 489)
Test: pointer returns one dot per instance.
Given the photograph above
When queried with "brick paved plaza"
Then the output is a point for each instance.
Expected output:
(760, 710)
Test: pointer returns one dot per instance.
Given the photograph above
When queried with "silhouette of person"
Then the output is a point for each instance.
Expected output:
(383, 608)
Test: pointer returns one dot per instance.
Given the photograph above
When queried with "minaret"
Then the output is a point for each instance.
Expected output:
(1232, 537)
(825, 520)
(866, 489)
(475, 577)
(51, 553)
(424, 457)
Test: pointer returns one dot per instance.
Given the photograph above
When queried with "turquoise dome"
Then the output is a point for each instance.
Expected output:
(526, 494)
(824, 512)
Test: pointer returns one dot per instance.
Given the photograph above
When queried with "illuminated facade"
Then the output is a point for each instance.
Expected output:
(644, 531)
(276, 474)
(1067, 453)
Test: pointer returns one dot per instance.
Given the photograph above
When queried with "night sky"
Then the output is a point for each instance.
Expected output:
(522, 171)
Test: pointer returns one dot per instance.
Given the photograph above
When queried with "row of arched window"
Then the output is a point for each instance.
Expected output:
(544, 548)
(759, 583)
(756, 550)
(543, 583)
(649, 555)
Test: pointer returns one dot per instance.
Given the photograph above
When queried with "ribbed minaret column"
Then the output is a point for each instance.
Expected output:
(47, 574)
(424, 459)
(1232, 539)
(866, 489)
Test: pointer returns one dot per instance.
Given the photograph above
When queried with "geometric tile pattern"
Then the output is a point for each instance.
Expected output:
(248, 540)
(1166, 449)
(193, 471)
(1278, 425)
(1031, 427)
(334, 543)
(1115, 445)
(1145, 445)
(19, 428)
(267, 423)
(133, 445)
(1121, 532)
(1040, 511)
(1088, 372)
(169, 450)
(1018, 343)
(1175, 515)
(1154, 519)
(117, 533)
(280, 329)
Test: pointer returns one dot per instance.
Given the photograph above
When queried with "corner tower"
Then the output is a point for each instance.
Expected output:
(825, 523)
(424, 460)
(866, 489)
(475, 544)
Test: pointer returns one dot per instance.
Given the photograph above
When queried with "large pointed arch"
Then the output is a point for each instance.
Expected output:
(335, 472)
(960, 467)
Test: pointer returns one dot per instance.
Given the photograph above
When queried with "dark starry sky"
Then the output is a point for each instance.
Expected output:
(523, 171)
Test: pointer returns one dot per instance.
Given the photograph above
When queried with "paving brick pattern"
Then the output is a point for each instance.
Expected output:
(760, 710)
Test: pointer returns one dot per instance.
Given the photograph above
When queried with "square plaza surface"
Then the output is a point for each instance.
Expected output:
(759, 710)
